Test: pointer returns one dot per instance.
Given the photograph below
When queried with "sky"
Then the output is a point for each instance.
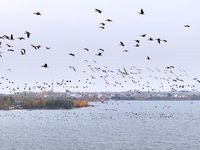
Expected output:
(70, 26)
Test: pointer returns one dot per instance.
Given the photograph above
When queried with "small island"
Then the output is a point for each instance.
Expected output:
(8, 102)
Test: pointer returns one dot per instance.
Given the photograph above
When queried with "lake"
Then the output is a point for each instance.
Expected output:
(113, 125)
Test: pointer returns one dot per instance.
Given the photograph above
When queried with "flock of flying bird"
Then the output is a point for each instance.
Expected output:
(109, 76)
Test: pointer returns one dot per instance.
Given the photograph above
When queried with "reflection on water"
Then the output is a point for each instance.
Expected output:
(113, 125)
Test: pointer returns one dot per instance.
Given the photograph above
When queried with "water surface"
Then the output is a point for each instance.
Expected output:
(113, 125)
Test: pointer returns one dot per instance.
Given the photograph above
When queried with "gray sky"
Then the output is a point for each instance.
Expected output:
(69, 26)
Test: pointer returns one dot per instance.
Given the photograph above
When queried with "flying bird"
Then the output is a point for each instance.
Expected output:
(164, 41)
(86, 49)
(11, 37)
(121, 43)
(28, 34)
(103, 24)
(101, 49)
(23, 51)
(11, 50)
(141, 12)
(109, 20)
(187, 26)
(137, 41)
(8, 45)
(143, 35)
(137, 45)
(158, 39)
(45, 66)
(34, 46)
(99, 11)
(99, 54)
(71, 54)
(148, 58)
(37, 13)
(21, 38)
(150, 39)
(48, 47)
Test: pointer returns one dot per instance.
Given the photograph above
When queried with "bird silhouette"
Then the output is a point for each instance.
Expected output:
(121, 43)
(99, 54)
(45, 66)
(137, 41)
(148, 58)
(141, 12)
(11, 50)
(101, 49)
(8, 45)
(72, 54)
(28, 34)
(103, 24)
(187, 26)
(109, 20)
(158, 39)
(48, 47)
(23, 51)
(37, 13)
(35, 47)
(150, 39)
(143, 35)
(86, 49)
(21, 38)
(11, 37)
(137, 45)
(98, 10)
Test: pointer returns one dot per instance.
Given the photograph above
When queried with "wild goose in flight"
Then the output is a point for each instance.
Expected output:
(97, 10)
(103, 24)
(102, 27)
(137, 41)
(150, 39)
(109, 20)
(101, 49)
(164, 41)
(48, 47)
(37, 13)
(148, 58)
(28, 34)
(23, 51)
(125, 50)
(121, 43)
(141, 12)
(11, 50)
(137, 45)
(99, 54)
(72, 54)
(186, 26)
(86, 49)
(143, 35)
(45, 66)
(8, 45)
(6, 37)
(158, 39)
(11, 37)
(21, 38)
(34, 46)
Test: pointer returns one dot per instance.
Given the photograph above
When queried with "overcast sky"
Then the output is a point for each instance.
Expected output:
(70, 26)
